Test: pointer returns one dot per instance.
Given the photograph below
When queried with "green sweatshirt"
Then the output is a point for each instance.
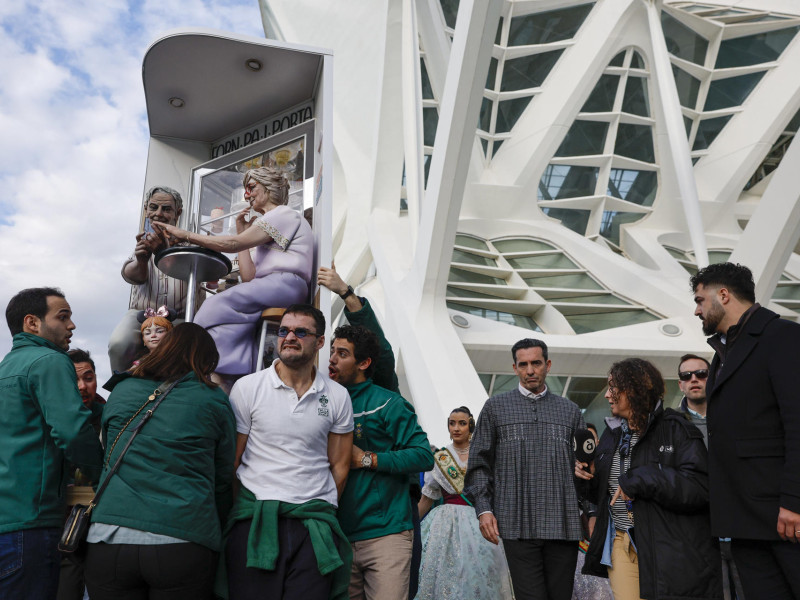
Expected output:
(375, 502)
(42, 423)
(176, 479)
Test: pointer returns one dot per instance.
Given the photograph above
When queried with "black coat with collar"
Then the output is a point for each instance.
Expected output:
(668, 480)
(754, 429)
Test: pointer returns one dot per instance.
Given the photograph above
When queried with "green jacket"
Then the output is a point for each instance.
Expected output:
(43, 423)
(383, 373)
(176, 478)
(376, 502)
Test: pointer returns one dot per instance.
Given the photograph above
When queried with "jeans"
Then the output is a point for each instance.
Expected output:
(29, 564)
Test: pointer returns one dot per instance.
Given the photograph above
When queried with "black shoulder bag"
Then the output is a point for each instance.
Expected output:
(73, 537)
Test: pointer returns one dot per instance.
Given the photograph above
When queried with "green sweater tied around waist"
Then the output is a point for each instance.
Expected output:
(318, 516)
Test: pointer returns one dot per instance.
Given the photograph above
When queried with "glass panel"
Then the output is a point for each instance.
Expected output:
(635, 141)
(794, 124)
(636, 101)
(496, 146)
(450, 10)
(719, 256)
(430, 120)
(462, 276)
(508, 111)
(576, 220)
(497, 315)
(687, 86)
(461, 293)
(593, 299)
(485, 145)
(602, 97)
(485, 118)
(612, 219)
(583, 390)
(687, 122)
(543, 261)
(675, 253)
(528, 71)
(499, 35)
(505, 383)
(426, 166)
(637, 62)
(471, 242)
(754, 49)
(638, 187)
(565, 181)
(733, 91)
(522, 245)
(486, 380)
(491, 76)
(580, 281)
(672, 394)
(787, 292)
(556, 383)
(427, 90)
(473, 259)
(546, 27)
(682, 41)
(584, 137)
(708, 130)
(617, 60)
(601, 321)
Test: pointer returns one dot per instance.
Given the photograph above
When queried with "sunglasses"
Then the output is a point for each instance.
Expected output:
(299, 332)
(687, 375)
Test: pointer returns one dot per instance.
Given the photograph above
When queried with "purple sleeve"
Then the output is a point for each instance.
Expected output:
(281, 224)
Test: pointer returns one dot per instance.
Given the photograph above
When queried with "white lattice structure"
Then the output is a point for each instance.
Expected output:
(554, 168)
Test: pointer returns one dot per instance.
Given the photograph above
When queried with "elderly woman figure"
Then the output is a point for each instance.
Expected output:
(276, 275)
(649, 480)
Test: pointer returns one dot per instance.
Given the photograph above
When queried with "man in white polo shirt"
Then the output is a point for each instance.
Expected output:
(294, 443)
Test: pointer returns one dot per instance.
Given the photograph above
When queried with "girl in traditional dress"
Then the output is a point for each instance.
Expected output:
(457, 562)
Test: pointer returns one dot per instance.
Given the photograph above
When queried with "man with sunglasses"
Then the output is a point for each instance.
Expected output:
(753, 430)
(692, 376)
(293, 448)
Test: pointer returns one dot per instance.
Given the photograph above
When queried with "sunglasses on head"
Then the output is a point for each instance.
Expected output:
(687, 375)
(299, 332)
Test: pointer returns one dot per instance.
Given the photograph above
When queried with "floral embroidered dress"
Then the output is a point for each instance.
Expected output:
(283, 273)
(457, 562)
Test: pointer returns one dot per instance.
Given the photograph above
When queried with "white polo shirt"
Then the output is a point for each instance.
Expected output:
(286, 456)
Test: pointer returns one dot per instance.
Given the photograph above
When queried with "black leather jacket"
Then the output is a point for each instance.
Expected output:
(668, 480)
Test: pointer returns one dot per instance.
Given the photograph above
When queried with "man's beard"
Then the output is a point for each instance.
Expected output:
(713, 318)
(296, 360)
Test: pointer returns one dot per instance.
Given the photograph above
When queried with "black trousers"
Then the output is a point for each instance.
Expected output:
(542, 569)
(296, 575)
(183, 571)
(768, 570)
(70, 579)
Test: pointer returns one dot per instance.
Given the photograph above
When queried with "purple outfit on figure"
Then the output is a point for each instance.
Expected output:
(283, 272)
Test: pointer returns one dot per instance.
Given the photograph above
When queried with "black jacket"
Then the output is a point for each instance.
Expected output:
(754, 428)
(668, 480)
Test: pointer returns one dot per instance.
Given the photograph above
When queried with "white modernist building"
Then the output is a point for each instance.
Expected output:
(554, 169)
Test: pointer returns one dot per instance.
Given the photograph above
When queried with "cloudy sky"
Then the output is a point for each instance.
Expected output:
(73, 145)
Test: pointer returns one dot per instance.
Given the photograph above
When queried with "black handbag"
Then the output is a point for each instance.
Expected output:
(76, 528)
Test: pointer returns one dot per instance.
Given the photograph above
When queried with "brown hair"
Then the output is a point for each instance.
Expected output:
(643, 385)
(186, 348)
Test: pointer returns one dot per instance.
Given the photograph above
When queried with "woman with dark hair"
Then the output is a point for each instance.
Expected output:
(649, 481)
(156, 530)
(277, 274)
(456, 561)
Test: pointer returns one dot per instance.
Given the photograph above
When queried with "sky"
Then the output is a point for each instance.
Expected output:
(73, 146)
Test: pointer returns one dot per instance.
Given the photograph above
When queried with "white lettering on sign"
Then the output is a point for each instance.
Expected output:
(263, 130)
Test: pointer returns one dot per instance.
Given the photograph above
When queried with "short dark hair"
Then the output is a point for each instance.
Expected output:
(30, 301)
(365, 344)
(643, 385)
(528, 343)
(736, 278)
(186, 348)
(308, 311)
(81, 356)
(686, 357)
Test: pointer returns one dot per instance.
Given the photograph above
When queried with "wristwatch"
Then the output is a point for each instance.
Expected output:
(366, 460)
(348, 293)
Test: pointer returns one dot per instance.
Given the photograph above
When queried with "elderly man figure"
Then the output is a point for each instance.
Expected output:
(152, 289)
(44, 422)
(520, 476)
(753, 430)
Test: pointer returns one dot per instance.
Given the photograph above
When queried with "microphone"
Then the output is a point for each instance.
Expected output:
(583, 445)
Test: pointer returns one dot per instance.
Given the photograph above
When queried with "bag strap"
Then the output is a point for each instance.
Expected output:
(158, 395)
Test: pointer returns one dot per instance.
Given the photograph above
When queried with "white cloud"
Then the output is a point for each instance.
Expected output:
(74, 145)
